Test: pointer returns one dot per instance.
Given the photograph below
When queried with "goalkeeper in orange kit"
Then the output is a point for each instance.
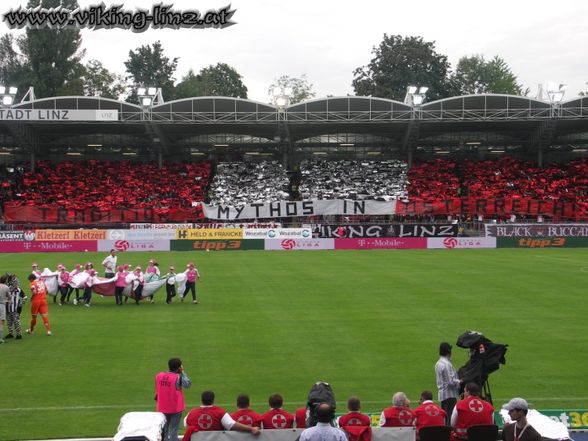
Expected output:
(38, 303)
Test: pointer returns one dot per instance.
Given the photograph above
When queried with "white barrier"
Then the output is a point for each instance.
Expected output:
(378, 434)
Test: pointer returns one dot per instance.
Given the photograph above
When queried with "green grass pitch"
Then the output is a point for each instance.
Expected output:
(369, 322)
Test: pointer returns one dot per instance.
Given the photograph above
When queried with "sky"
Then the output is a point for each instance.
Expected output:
(327, 40)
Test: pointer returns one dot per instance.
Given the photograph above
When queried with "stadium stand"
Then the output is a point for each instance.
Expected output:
(238, 183)
(107, 185)
(385, 180)
(500, 178)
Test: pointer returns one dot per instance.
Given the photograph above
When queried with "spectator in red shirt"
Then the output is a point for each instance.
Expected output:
(428, 413)
(244, 414)
(399, 414)
(300, 417)
(209, 417)
(276, 417)
(354, 417)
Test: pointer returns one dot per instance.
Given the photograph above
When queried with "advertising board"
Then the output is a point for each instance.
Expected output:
(57, 246)
(461, 242)
(133, 245)
(299, 244)
(385, 243)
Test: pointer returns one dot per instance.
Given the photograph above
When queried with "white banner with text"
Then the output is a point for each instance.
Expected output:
(265, 210)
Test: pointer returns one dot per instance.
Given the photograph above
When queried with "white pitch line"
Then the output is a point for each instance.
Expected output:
(225, 405)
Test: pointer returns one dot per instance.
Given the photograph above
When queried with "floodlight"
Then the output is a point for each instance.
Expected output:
(141, 91)
(556, 97)
(411, 89)
(552, 87)
(423, 90)
(152, 91)
(562, 88)
(276, 91)
(417, 99)
(146, 101)
(288, 91)
(2, 89)
(7, 100)
(281, 101)
(12, 90)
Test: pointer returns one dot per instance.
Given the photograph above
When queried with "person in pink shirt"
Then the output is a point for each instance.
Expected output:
(119, 284)
(151, 273)
(192, 275)
(63, 283)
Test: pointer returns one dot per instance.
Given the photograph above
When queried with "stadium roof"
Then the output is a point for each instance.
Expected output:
(62, 125)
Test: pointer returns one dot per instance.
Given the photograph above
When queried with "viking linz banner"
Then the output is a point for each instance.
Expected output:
(394, 230)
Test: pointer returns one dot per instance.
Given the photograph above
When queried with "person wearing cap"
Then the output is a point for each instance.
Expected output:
(192, 275)
(151, 273)
(138, 283)
(77, 269)
(519, 430)
(447, 381)
(471, 411)
(120, 284)
(88, 286)
(109, 264)
(35, 270)
(170, 285)
(63, 283)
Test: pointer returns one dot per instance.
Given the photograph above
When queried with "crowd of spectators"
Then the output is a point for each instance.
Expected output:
(498, 178)
(108, 185)
(239, 183)
(124, 184)
(380, 180)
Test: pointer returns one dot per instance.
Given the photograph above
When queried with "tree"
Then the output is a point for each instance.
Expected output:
(218, 80)
(99, 81)
(476, 75)
(12, 72)
(301, 88)
(52, 57)
(148, 66)
(402, 61)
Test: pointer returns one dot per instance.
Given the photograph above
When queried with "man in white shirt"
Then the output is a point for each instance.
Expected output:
(447, 381)
(109, 264)
(323, 431)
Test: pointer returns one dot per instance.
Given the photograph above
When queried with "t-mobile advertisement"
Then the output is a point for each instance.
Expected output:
(384, 243)
(57, 246)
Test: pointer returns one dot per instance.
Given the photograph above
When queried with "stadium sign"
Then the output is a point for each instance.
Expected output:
(536, 230)
(277, 233)
(134, 245)
(396, 230)
(299, 244)
(46, 246)
(205, 233)
(542, 242)
(381, 243)
(141, 234)
(215, 245)
(461, 242)
(57, 115)
(11, 235)
(160, 226)
(266, 210)
(70, 234)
